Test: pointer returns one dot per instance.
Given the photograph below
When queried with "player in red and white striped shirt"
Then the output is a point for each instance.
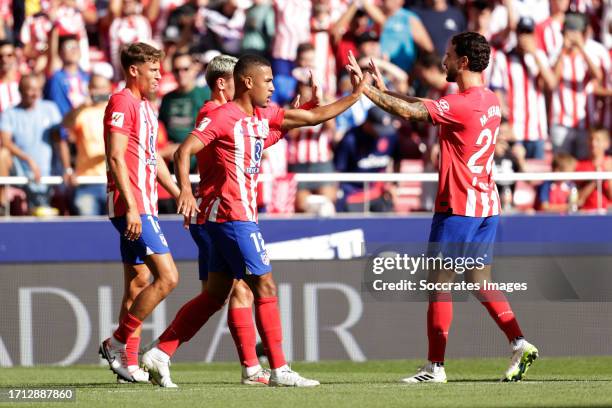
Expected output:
(134, 168)
(238, 132)
(521, 78)
(467, 206)
(579, 70)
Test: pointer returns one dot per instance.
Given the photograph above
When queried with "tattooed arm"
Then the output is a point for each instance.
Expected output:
(408, 110)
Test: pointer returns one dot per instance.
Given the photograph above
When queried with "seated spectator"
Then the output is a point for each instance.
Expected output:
(28, 132)
(554, 196)
(589, 197)
(86, 129)
(309, 150)
(180, 107)
(370, 148)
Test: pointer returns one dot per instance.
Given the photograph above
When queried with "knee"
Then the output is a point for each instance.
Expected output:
(169, 282)
(266, 288)
(242, 294)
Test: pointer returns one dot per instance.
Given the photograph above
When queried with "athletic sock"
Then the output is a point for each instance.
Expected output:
(188, 320)
(242, 328)
(267, 317)
(131, 348)
(498, 307)
(439, 318)
(127, 327)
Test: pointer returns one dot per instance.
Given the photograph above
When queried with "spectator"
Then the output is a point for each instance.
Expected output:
(9, 76)
(324, 61)
(589, 198)
(521, 79)
(554, 196)
(441, 22)
(67, 86)
(180, 107)
(309, 151)
(225, 22)
(353, 23)
(258, 28)
(508, 159)
(130, 27)
(549, 33)
(28, 131)
(578, 69)
(85, 126)
(370, 148)
(402, 32)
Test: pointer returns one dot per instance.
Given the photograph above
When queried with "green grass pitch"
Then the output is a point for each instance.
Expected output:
(551, 382)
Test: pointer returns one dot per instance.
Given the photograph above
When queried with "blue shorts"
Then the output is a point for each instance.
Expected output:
(457, 236)
(238, 248)
(151, 241)
(202, 240)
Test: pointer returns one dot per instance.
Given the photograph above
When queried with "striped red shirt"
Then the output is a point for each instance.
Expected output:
(517, 76)
(292, 27)
(136, 120)
(238, 142)
(310, 144)
(9, 94)
(550, 38)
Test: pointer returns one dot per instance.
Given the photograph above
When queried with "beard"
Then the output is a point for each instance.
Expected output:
(451, 75)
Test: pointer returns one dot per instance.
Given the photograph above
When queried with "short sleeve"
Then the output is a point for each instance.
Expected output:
(209, 127)
(54, 114)
(120, 115)
(6, 123)
(446, 110)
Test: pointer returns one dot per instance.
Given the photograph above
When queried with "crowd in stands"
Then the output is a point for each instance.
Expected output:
(550, 65)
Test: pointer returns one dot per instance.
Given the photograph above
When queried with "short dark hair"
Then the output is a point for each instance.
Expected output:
(475, 47)
(4, 43)
(430, 60)
(139, 53)
(181, 54)
(246, 63)
(304, 47)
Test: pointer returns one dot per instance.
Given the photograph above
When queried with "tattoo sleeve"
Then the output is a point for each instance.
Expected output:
(408, 110)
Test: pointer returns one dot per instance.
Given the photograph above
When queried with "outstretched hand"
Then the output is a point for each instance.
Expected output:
(358, 78)
(378, 78)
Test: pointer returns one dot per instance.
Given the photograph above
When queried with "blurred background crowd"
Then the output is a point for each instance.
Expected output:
(550, 65)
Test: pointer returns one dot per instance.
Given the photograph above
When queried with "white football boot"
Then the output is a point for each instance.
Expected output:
(285, 377)
(157, 363)
(430, 372)
(139, 375)
(116, 356)
(523, 355)
(260, 377)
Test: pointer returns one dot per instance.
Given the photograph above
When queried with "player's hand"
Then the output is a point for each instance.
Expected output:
(353, 68)
(316, 90)
(133, 229)
(187, 205)
(186, 222)
(378, 78)
(35, 170)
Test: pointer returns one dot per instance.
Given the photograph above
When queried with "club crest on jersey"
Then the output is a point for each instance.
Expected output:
(258, 151)
(117, 119)
(203, 123)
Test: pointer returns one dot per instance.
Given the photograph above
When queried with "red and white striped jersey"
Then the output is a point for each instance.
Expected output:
(517, 76)
(9, 94)
(137, 121)
(469, 124)
(35, 30)
(573, 102)
(325, 61)
(204, 158)
(292, 27)
(127, 30)
(238, 141)
(602, 107)
(310, 144)
(549, 38)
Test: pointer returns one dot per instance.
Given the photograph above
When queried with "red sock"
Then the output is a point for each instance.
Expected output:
(127, 327)
(439, 318)
(267, 317)
(240, 322)
(500, 310)
(188, 320)
(131, 348)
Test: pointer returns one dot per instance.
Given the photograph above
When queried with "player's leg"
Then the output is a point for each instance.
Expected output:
(135, 279)
(523, 353)
(257, 273)
(150, 249)
(242, 328)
